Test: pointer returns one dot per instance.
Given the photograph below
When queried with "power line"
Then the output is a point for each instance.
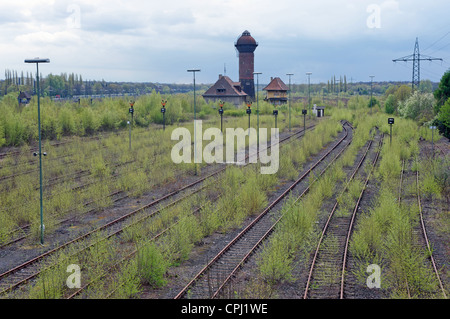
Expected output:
(441, 48)
(416, 57)
(437, 40)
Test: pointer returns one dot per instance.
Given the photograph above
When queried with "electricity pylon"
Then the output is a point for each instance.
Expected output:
(416, 57)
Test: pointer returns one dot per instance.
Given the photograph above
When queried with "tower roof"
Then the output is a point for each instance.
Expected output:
(276, 85)
(246, 43)
(226, 86)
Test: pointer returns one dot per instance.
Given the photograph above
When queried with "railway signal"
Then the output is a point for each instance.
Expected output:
(390, 122)
(163, 111)
(131, 110)
(304, 111)
(249, 112)
(221, 115)
(275, 113)
(130, 123)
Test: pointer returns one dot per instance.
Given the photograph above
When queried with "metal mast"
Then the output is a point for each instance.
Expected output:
(416, 57)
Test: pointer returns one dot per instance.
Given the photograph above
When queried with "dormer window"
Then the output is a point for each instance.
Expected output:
(220, 90)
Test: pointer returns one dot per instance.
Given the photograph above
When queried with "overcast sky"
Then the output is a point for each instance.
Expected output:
(157, 41)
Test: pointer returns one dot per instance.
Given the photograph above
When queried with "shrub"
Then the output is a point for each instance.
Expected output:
(443, 119)
(151, 265)
(67, 122)
(389, 104)
(2, 135)
(275, 264)
(418, 107)
(89, 121)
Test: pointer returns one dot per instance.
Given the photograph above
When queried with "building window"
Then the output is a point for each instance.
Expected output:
(220, 90)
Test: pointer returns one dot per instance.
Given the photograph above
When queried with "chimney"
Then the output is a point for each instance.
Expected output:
(220, 76)
(271, 79)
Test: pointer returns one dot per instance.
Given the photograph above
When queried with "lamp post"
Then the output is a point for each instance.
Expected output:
(432, 138)
(371, 82)
(289, 74)
(309, 90)
(195, 117)
(37, 61)
(257, 108)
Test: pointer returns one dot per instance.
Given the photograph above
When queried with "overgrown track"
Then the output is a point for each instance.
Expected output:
(23, 273)
(22, 232)
(421, 238)
(211, 280)
(425, 237)
(328, 266)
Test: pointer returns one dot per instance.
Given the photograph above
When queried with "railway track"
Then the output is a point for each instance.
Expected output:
(211, 280)
(25, 272)
(421, 237)
(426, 238)
(326, 275)
(22, 170)
(23, 231)
(127, 255)
(103, 135)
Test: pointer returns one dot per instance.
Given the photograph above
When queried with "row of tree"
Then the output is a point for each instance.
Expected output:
(425, 107)
(71, 84)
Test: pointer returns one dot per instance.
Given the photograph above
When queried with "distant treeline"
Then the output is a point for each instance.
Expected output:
(72, 84)
(67, 85)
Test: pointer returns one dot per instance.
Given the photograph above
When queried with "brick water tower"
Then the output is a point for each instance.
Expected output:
(246, 45)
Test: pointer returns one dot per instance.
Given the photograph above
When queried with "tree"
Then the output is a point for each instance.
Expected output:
(443, 119)
(402, 93)
(97, 88)
(443, 92)
(390, 104)
(54, 84)
(426, 86)
(418, 107)
(372, 102)
(391, 90)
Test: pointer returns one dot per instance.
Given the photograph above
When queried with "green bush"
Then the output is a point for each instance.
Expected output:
(2, 135)
(389, 104)
(151, 265)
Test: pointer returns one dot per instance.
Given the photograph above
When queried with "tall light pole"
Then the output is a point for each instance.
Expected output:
(257, 108)
(195, 117)
(309, 91)
(371, 91)
(37, 61)
(289, 74)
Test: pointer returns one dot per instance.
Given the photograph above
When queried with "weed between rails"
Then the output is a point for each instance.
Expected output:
(109, 167)
(297, 231)
(244, 188)
(384, 234)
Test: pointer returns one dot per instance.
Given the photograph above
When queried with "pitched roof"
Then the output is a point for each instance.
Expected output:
(227, 86)
(276, 85)
(24, 95)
